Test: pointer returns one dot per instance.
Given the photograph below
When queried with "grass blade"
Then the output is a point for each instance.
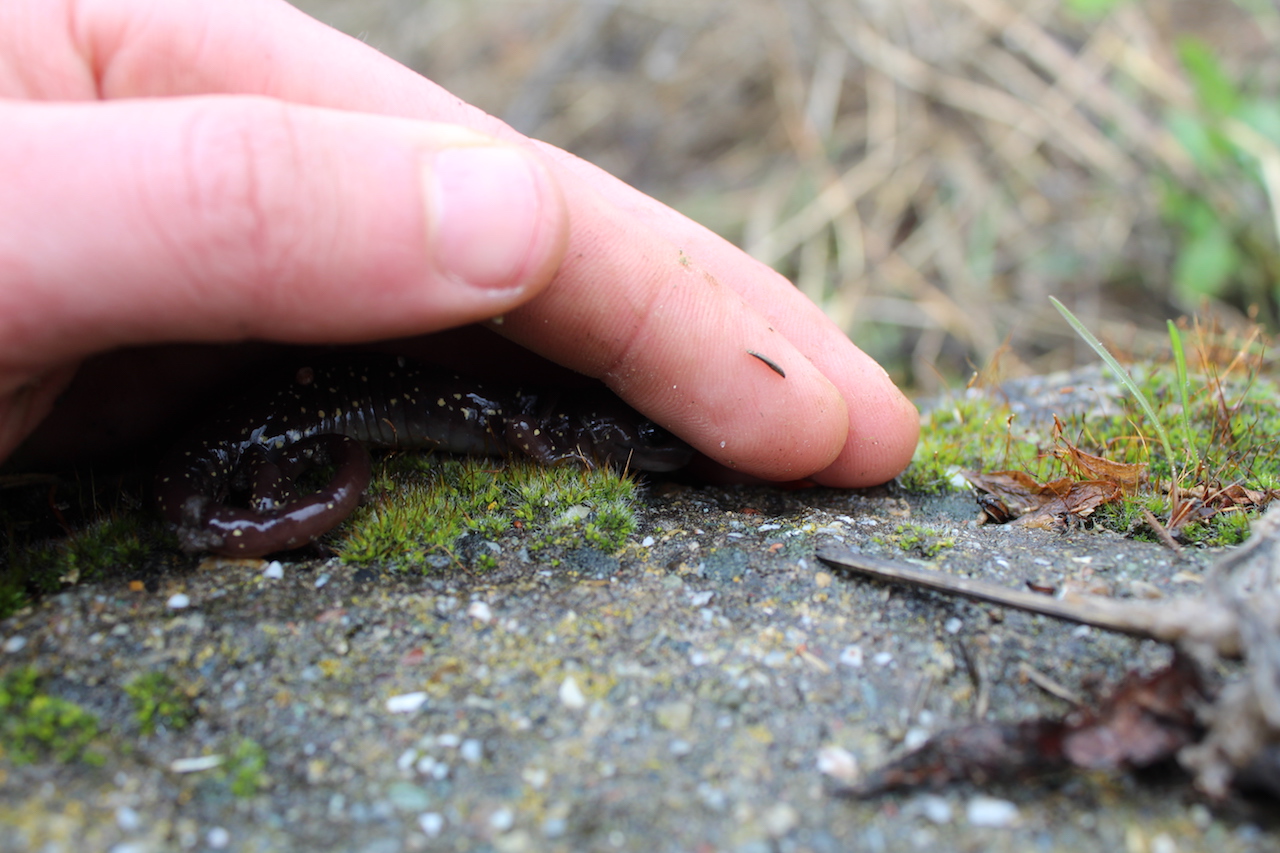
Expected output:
(1123, 375)
(1184, 385)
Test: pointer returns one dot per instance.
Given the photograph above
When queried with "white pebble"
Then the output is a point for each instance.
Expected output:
(936, 809)
(179, 601)
(953, 625)
(480, 612)
(195, 764)
(431, 823)
(780, 818)
(274, 571)
(647, 542)
(701, 599)
(471, 751)
(16, 643)
(218, 838)
(882, 659)
(989, 811)
(406, 703)
(851, 657)
(571, 694)
(322, 580)
(915, 738)
(838, 763)
(502, 819)
(127, 819)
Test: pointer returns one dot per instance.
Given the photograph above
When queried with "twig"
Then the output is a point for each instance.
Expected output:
(1200, 621)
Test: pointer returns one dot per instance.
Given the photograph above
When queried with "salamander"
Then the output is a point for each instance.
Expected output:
(331, 411)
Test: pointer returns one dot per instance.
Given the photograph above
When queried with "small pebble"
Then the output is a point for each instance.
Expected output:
(647, 542)
(217, 838)
(408, 797)
(322, 580)
(915, 738)
(674, 716)
(851, 657)
(195, 764)
(936, 809)
(480, 612)
(838, 763)
(953, 625)
(471, 751)
(127, 819)
(274, 571)
(882, 659)
(16, 643)
(502, 820)
(178, 601)
(431, 823)
(571, 694)
(406, 703)
(989, 811)
(780, 819)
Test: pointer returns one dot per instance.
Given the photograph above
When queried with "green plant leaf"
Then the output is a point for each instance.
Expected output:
(1214, 89)
(1206, 261)
(1208, 148)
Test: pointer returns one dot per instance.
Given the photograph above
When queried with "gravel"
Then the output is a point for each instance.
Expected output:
(702, 689)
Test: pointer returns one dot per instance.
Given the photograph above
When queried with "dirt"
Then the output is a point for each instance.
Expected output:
(706, 688)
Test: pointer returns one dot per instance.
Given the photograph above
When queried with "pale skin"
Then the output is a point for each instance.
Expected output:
(180, 170)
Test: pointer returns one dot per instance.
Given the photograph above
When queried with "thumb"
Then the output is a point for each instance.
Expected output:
(223, 218)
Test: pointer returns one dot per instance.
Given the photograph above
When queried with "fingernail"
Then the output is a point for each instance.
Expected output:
(483, 215)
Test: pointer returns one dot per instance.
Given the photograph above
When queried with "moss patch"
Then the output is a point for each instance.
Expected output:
(158, 700)
(36, 726)
(424, 505)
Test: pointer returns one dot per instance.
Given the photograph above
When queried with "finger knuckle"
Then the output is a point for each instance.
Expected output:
(240, 171)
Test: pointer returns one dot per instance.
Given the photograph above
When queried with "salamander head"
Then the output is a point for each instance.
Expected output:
(610, 432)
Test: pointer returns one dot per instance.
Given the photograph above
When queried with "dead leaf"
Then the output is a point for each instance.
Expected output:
(1128, 476)
(1145, 721)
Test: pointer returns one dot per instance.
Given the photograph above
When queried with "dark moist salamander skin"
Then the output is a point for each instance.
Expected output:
(331, 411)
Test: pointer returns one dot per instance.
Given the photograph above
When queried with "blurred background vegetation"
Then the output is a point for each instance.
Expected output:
(929, 171)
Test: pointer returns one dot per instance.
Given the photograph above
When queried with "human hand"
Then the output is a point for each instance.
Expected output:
(186, 171)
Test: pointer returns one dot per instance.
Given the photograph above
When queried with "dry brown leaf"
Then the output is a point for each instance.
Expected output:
(1129, 476)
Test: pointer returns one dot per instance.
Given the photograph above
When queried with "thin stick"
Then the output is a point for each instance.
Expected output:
(1193, 619)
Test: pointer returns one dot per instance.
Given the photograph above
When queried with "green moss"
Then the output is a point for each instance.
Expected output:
(159, 701)
(245, 768)
(1226, 438)
(109, 546)
(970, 432)
(921, 540)
(36, 726)
(424, 505)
